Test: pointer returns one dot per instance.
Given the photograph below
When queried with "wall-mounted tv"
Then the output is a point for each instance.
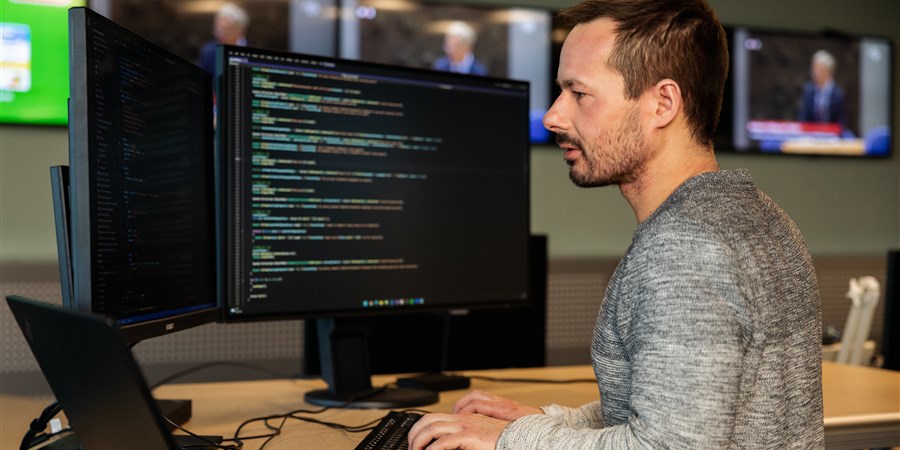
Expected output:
(34, 61)
(509, 42)
(184, 26)
(807, 93)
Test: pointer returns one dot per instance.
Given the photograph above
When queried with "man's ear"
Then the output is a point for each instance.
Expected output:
(666, 101)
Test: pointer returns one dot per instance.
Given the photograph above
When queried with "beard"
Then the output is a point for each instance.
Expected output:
(610, 158)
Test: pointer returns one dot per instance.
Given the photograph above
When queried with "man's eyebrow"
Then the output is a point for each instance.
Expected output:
(570, 83)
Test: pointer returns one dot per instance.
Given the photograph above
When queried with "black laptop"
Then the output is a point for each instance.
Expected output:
(94, 376)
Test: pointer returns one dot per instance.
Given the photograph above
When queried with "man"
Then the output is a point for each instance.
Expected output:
(709, 333)
(459, 42)
(229, 27)
(823, 100)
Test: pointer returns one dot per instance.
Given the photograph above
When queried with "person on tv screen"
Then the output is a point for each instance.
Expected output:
(229, 27)
(459, 43)
(823, 99)
(709, 334)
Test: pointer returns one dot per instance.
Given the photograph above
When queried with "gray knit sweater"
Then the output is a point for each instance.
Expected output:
(708, 337)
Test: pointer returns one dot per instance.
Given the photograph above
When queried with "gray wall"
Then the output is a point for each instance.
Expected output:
(843, 207)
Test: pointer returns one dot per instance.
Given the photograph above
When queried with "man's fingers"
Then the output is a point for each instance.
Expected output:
(427, 429)
(475, 395)
(453, 431)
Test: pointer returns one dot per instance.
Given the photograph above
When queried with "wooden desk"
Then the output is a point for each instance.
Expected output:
(220, 407)
(862, 406)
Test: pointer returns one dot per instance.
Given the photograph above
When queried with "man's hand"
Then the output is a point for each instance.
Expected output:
(478, 420)
(456, 431)
(490, 405)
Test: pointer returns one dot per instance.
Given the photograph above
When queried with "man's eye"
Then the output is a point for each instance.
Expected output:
(577, 94)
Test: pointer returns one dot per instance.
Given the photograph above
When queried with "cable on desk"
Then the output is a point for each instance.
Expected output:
(207, 365)
(276, 429)
(34, 436)
(533, 380)
(38, 425)
(362, 428)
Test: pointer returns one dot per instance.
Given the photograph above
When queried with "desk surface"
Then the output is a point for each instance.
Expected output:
(856, 398)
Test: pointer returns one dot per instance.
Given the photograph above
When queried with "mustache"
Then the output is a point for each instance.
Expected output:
(565, 139)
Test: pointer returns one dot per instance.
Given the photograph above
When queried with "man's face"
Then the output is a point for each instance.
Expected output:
(599, 129)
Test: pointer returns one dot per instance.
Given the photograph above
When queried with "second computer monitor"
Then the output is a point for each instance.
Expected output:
(143, 228)
(357, 188)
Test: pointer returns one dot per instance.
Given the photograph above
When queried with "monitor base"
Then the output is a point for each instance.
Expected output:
(384, 398)
(435, 381)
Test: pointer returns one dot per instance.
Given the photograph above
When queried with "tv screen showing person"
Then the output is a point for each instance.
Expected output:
(500, 42)
(459, 46)
(824, 100)
(229, 28)
(807, 93)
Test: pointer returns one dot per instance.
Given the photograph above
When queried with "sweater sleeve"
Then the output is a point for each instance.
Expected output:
(586, 416)
(682, 325)
(520, 433)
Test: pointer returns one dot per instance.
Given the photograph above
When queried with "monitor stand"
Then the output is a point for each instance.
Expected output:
(345, 367)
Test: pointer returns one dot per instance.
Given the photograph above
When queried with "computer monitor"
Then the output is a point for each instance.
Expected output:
(355, 188)
(142, 244)
(791, 92)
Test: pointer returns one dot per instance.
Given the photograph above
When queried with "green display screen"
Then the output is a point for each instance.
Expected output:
(34, 61)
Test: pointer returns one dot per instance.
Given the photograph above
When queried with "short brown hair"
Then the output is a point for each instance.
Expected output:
(677, 39)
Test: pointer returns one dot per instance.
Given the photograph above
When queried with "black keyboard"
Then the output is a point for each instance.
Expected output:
(391, 432)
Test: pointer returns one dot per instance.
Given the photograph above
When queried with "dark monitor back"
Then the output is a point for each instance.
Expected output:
(890, 344)
(59, 188)
(467, 340)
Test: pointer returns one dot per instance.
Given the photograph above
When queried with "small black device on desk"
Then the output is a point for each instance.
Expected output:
(391, 433)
